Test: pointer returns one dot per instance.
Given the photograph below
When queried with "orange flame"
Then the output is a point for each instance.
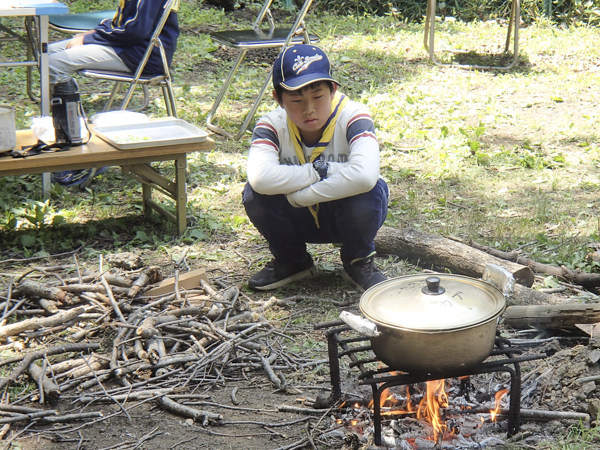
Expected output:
(496, 411)
(429, 407)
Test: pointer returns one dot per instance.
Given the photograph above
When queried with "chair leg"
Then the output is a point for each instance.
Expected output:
(254, 108)
(169, 98)
(115, 90)
(221, 94)
(128, 95)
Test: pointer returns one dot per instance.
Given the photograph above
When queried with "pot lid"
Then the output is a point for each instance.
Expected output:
(427, 302)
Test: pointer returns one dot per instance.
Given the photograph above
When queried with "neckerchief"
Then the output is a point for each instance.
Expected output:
(337, 106)
(119, 14)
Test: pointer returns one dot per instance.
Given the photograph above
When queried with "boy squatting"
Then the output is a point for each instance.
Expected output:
(313, 175)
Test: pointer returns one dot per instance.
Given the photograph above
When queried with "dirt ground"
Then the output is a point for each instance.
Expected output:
(254, 422)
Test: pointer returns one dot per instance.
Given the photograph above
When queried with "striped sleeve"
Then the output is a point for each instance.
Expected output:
(360, 125)
(264, 133)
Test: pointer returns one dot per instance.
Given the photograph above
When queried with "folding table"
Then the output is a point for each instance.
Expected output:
(37, 47)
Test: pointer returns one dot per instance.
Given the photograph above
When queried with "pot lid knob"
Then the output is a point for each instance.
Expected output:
(433, 286)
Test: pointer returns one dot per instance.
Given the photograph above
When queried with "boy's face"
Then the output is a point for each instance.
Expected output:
(309, 108)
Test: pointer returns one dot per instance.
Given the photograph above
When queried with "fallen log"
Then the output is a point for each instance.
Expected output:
(586, 280)
(551, 316)
(436, 250)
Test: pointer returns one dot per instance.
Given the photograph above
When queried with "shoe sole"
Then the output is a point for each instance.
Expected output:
(305, 274)
(348, 279)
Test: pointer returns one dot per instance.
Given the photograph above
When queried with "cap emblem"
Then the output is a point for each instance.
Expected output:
(302, 62)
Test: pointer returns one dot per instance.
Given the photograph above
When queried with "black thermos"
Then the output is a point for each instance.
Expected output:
(66, 108)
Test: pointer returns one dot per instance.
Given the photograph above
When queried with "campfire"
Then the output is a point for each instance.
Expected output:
(425, 411)
(436, 415)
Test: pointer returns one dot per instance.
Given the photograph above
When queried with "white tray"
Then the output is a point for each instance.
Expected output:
(155, 133)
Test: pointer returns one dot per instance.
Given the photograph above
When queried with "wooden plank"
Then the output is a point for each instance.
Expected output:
(189, 280)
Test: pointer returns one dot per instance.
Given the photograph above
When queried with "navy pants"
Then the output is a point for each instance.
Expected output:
(351, 221)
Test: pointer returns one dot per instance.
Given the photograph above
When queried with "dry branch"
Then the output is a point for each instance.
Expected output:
(35, 289)
(186, 411)
(48, 389)
(36, 323)
(551, 316)
(30, 357)
(148, 276)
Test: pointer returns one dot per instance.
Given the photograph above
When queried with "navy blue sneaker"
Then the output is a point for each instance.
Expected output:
(277, 274)
(363, 274)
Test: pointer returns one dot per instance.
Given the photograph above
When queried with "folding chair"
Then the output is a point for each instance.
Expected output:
(514, 21)
(253, 39)
(164, 81)
(78, 22)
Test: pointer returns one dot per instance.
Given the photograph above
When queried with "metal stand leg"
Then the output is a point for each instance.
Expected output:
(334, 366)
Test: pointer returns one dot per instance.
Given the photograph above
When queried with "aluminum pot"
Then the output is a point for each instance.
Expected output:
(443, 324)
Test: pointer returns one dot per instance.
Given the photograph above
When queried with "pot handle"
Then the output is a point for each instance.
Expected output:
(360, 324)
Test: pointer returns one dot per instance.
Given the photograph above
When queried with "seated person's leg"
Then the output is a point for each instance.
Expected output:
(64, 61)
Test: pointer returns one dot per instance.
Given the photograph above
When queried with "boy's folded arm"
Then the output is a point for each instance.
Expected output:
(267, 176)
(358, 175)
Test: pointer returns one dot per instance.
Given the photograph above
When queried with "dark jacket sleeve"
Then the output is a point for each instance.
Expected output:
(131, 36)
(137, 25)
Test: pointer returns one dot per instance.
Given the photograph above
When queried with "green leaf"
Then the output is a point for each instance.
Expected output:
(57, 220)
(141, 236)
(27, 240)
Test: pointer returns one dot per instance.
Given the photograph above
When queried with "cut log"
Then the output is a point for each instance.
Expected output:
(439, 251)
(584, 279)
(551, 316)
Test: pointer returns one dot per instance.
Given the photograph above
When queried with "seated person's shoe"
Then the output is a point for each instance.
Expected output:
(363, 274)
(82, 177)
(277, 274)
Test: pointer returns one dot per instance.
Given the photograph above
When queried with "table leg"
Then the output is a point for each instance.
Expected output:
(43, 61)
(44, 85)
(181, 195)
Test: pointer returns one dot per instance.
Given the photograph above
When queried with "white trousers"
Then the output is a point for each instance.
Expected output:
(64, 62)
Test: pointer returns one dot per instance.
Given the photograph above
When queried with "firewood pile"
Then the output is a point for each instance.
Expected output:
(155, 340)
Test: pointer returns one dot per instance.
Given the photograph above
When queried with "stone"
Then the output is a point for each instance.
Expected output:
(593, 357)
(124, 260)
(588, 387)
(594, 407)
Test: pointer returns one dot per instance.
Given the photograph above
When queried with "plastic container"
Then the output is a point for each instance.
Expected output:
(8, 132)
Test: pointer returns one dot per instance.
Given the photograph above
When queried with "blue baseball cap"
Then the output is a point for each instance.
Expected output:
(301, 65)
